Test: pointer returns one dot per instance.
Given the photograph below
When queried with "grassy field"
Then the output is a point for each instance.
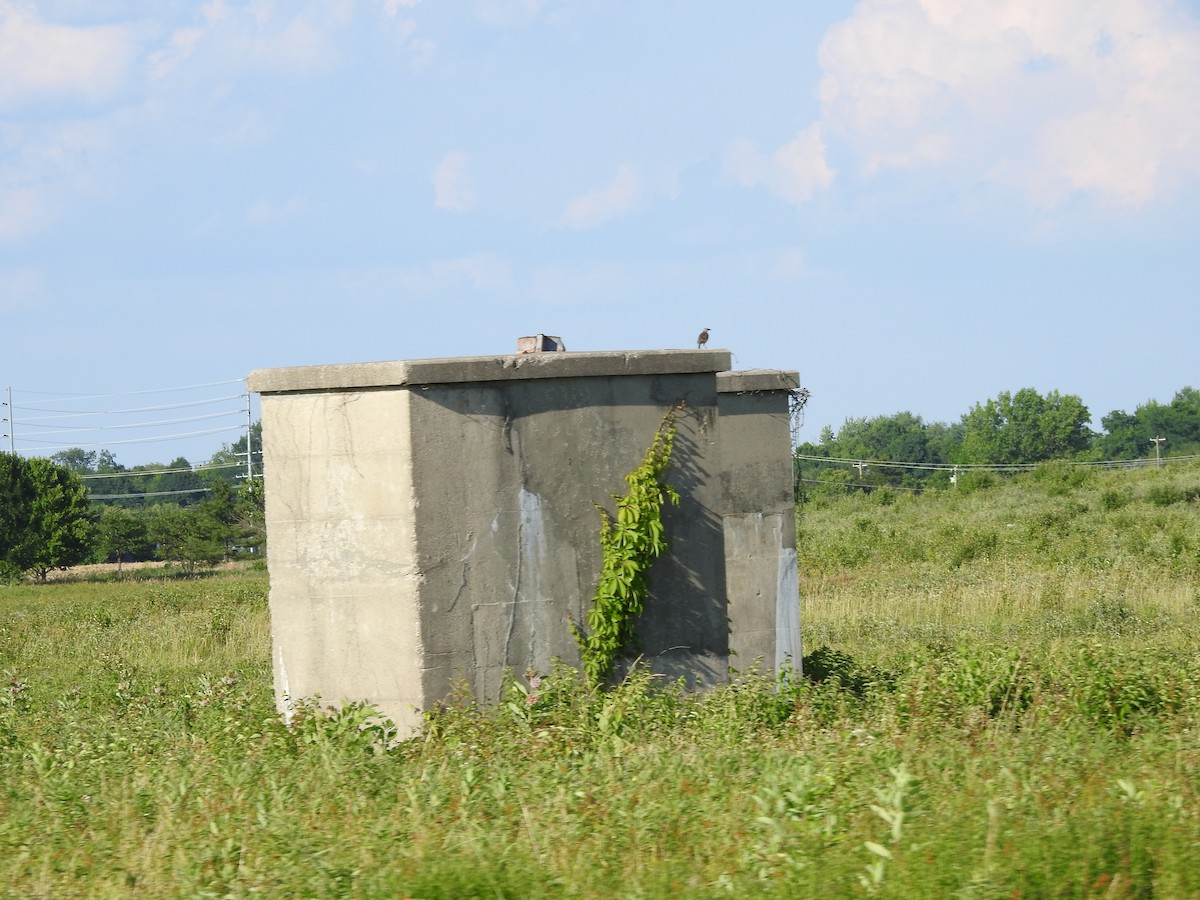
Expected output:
(1002, 699)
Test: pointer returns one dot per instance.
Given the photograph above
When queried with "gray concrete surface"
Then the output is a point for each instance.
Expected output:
(431, 521)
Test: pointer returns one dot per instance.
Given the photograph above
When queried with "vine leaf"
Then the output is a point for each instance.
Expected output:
(629, 544)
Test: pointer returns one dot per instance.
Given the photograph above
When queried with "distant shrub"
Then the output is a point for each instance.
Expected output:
(989, 679)
(828, 665)
(1165, 495)
(1058, 477)
(970, 482)
(1112, 499)
(977, 545)
(833, 483)
(884, 496)
(1119, 691)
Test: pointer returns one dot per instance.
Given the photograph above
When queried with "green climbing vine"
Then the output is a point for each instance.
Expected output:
(630, 543)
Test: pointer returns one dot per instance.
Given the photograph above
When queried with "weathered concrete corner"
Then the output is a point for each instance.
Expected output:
(434, 520)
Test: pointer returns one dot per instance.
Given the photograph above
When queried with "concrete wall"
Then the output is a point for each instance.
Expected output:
(434, 520)
(759, 517)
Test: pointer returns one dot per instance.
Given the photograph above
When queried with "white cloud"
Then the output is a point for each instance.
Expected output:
(452, 184)
(1095, 96)
(582, 283)
(22, 288)
(620, 196)
(43, 164)
(393, 7)
(795, 171)
(41, 60)
(187, 74)
(179, 47)
(294, 40)
(24, 210)
(265, 212)
(789, 264)
(252, 130)
(300, 45)
(420, 50)
(485, 274)
(507, 13)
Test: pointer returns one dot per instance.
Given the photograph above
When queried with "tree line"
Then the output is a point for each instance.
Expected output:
(79, 507)
(150, 484)
(1012, 429)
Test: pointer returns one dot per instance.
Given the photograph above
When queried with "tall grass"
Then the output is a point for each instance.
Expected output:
(987, 712)
(1062, 554)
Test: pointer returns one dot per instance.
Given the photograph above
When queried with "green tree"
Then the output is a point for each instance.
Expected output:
(121, 536)
(114, 488)
(1129, 436)
(188, 537)
(16, 501)
(178, 483)
(250, 520)
(47, 522)
(1025, 427)
(1186, 420)
(220, 509)
(233, 456)
(62, 520)
(220, 503)
(945, 440)
(78, 460)
(1122, 437)
(899, 438)
(833, 483)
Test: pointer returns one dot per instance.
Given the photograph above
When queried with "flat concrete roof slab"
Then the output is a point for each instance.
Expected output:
(510, 367)
(748, 380)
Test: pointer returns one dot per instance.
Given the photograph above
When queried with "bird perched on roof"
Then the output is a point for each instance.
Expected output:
(702, 339)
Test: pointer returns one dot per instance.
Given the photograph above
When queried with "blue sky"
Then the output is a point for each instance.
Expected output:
(916, 203)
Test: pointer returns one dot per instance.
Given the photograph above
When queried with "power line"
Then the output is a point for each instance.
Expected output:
(190, 387)
(89, 421)
(987, 467)
(83, 421)
(156, 424)
(933, 467)
(202, 490)
(69, 413)
(841, 484)
(145, 472)
(149, 440)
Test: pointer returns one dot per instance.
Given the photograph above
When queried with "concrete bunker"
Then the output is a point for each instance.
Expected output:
(434, 520)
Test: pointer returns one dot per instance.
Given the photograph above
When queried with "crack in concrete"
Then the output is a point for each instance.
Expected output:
(465, 560)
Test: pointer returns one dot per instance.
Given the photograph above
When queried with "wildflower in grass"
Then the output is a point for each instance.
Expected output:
(16, 696)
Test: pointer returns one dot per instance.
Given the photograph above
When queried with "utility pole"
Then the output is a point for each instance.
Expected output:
(861, 466)
(249, 448)
(11, 427)
(1157, 458)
